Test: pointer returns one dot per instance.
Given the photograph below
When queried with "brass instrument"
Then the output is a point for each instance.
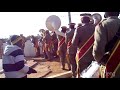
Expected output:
(94, 18)
(53, 23)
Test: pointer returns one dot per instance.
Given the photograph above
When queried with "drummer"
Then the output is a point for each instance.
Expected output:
(81, 36)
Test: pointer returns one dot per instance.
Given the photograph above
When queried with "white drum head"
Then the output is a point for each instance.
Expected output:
(53, 23)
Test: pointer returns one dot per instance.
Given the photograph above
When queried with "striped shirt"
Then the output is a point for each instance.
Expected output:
(13, 62)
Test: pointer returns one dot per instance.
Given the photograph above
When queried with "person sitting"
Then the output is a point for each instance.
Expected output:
(13, 60)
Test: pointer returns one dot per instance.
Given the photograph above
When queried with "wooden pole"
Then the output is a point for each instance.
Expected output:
(69, 17)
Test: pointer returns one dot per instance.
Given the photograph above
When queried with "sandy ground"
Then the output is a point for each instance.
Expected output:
(46, 68)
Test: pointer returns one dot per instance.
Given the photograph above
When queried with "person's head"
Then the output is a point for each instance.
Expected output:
(64, 28)
(85, 19)
(47, 32)
(21, 34)
(79, 24)
(108, 14)
(85, 14)
(72, 25)
(41, 30)
(16, 40)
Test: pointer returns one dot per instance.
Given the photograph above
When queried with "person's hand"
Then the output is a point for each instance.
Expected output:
(34, 71)
(105, 58)
(58, 52)
(31, 70)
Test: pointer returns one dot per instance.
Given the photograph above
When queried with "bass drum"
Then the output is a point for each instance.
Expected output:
(92, 71)
(53, 23)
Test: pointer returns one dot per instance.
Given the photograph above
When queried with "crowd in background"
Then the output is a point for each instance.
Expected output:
(49, 45)
(39, 43)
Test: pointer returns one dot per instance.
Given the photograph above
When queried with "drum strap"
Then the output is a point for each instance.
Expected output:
(69, 44)
(60, 43)
(113, 60)
(85, 48)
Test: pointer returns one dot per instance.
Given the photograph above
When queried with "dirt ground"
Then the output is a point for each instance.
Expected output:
(45, 68)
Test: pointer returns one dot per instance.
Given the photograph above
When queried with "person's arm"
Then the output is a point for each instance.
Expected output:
(66, 38)
(20, 64)
(100, 40)
(68, 35)
(75, 41)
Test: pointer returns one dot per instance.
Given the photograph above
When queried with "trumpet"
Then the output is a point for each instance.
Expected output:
(94, 18)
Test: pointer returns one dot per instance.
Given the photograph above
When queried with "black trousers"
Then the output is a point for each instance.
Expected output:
(73, 63)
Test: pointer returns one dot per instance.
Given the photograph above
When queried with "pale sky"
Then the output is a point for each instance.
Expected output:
(29, 23)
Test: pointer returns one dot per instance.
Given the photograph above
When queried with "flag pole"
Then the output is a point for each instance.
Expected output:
(69, 17)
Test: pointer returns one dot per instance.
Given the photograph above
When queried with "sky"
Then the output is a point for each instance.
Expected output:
(29, 23)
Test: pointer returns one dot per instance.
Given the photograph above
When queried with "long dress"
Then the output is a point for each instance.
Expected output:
(41, 48)
(29, 49)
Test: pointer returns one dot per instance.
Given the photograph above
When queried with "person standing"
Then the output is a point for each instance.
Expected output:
(54, 44)
(24, 40)
(62, 49)
(47, 45)
(68, 39)
(81, 36)
(104, 32)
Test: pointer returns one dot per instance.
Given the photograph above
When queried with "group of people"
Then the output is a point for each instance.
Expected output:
(90, 41)
(80, 46)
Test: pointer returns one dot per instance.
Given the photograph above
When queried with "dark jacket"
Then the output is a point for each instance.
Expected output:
(81, 35)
